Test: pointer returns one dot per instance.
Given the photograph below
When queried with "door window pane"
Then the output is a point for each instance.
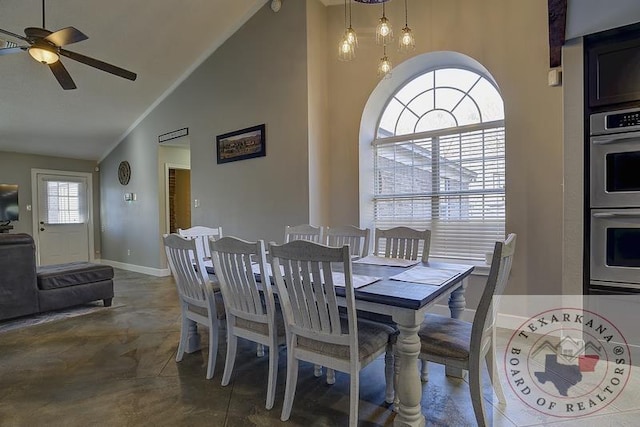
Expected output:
(64, 204)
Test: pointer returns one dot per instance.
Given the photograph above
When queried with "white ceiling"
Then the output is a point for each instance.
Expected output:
(160, 40)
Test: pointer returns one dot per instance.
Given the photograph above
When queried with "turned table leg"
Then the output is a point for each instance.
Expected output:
(457, 304)
(409, 391)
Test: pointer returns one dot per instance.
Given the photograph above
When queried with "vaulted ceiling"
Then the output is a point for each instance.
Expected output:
(160, 40)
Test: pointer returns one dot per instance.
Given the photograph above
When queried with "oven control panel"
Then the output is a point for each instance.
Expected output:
(615, 122)
(623, 120)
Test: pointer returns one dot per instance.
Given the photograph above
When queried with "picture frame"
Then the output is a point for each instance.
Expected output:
(241, 144)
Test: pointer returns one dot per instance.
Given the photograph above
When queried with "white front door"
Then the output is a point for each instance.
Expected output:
(63, 219)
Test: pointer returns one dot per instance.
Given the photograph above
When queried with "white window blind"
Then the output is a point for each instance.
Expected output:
(451, 183)
(64, 202)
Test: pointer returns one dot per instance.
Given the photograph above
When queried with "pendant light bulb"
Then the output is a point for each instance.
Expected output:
(384, 32)
(385, 66)
(346, 51)
(407, 41)
(351, 37)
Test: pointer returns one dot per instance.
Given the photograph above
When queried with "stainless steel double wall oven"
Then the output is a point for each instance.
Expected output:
(612, 161)
(615, 200)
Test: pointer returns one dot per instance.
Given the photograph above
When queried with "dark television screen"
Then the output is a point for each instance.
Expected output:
(9, 208)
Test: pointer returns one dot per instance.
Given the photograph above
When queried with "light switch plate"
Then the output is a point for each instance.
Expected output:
(555, 77)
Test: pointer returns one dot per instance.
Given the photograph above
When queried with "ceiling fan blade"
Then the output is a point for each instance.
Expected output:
(120, 72)
(17, 36)
(8, 50)
(35, 33)
(62, 75)
(66, 36)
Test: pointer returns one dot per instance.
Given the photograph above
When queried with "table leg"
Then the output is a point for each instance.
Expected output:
(457, 304)
(409, 391)
(193, 338)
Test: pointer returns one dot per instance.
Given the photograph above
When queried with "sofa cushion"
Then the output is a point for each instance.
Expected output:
(71, 274)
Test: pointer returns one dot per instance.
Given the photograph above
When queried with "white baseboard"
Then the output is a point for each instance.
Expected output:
(158, 272)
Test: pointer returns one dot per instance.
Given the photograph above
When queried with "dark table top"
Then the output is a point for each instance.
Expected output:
(398, 293)
(405, 294)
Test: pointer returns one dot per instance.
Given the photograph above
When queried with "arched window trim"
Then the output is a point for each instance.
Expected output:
(480, 72)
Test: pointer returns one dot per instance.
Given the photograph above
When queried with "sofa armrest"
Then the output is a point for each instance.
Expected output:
(18, 286)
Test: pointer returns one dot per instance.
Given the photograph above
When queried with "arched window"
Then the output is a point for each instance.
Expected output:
(439, 162)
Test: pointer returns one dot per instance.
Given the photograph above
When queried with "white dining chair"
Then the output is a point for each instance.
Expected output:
(198, 300)
(356, 238)
(402, 242)
(463, 345)
(315, 234)
(303, 232)
(250, 308)
(316, 332)
(202, 234)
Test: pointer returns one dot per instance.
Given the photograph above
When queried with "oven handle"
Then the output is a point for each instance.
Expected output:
(613, 215)
(615, 138)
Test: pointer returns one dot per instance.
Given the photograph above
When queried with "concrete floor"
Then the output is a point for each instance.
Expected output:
(116, 367)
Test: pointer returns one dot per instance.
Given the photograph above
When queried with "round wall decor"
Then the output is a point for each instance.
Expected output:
(124, 172)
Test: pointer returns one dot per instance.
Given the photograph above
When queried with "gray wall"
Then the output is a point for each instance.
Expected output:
(259, 75)
(318, 52)
(16, 168)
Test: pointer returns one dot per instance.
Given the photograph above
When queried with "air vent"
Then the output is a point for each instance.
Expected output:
(6, 43)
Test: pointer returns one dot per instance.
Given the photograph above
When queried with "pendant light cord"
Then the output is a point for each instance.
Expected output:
(345, 12)
(406, 14)
(43, 26)
(349, 13)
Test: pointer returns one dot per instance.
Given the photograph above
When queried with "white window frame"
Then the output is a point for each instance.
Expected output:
(494, 227)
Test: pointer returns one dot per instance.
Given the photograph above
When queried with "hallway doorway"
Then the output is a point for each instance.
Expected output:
(179, 199)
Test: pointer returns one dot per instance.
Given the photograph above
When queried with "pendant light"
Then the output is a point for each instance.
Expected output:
(385, 66)
(349, 41)
(406, 41)
(384, 32)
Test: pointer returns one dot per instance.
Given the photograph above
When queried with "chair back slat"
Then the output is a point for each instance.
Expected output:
(201, 235)
(303, 232)
(403, 242)
(356, 238)
(187, 268)
(307, 290)
(233, 259)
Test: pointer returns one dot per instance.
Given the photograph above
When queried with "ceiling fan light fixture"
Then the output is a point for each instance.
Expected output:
(43, 55)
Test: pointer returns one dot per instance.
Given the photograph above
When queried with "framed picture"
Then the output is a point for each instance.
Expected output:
(241, 144)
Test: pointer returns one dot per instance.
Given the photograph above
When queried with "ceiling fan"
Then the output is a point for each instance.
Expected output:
(46, 47)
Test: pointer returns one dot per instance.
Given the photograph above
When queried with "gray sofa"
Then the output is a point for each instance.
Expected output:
(27, 289)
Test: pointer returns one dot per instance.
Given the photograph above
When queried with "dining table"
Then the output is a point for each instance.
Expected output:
(406, 299)
(403, 290)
